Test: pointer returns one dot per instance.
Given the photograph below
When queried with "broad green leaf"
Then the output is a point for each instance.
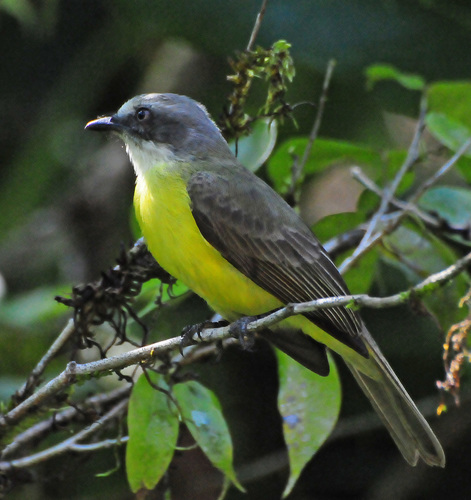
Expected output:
(450, 132)
(325, 153)
(253, 150)
(463, 166)
(360, 276)
(202, 415)
(449, 119)
(367, 203)
(309, 405)
(380, 72)
(452, 99)
(452, 204)
(22, 10)
(420, 256)
(334, 225)
(153, 432)
(32, 307)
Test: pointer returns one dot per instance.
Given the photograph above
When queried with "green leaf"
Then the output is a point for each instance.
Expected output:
(153, 432)
(145, 302)
(334, 225)
(452, 204)
(309, 405)
(253, 150)
(380, 72)
(450, 132)
(449, 119)
(32, 307)
(360, 277)
(367, 203)
(421, 254)
(452, 99)
(325, 153)
(394, 159)
(202, 415)
(463, 166)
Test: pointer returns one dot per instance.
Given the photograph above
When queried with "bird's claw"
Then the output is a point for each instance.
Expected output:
(239, 330)
(190, 331)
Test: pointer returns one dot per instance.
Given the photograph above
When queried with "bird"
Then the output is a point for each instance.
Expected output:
(225, 233)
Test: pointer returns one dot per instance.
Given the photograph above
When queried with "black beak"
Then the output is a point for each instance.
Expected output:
(105, 123)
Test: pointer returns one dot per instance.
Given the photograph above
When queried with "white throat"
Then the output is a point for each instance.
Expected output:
(146, 155)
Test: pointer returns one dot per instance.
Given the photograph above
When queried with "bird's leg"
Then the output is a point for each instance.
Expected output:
(239, 330)
(189, 331)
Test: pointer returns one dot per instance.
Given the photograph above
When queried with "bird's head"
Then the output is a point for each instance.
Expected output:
(164, 129)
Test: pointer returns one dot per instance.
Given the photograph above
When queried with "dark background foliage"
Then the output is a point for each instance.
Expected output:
(65, 198)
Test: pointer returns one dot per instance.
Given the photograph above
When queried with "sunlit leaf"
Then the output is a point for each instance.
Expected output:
(309, 405)
(450, 132)
(452, 99)
(253, 150)
(449, 119)
(153, 432)
(325, 153)
(381, 72)
(203, 416)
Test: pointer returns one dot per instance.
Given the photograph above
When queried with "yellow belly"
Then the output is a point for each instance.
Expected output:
(163, 210)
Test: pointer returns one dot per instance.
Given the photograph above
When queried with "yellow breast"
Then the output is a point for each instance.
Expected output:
(163, 210)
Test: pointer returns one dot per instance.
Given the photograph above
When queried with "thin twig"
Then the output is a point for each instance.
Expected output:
(298, 167)
(362, 178)
(389, 193)
(410, 204)
(76, 371)
(68, 444)
(100, 445)
(258, 23)
(428, 183)
(38, 370)
(60, 419)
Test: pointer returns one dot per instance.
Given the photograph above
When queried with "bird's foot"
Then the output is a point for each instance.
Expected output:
(239, 330)
(190, 331)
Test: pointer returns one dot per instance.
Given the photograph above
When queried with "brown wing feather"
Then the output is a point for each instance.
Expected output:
(259, 234)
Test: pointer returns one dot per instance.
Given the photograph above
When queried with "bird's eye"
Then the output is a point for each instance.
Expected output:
(142, 114)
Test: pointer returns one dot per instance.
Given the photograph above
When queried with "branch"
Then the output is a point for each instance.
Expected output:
(258, 23)
(147, 354)
(68, 444)
(362, 178)
(299, 167)
(371, 236)
(410, 205)
(34, 376)
(100, 445)
(57, 421)
(428, 183)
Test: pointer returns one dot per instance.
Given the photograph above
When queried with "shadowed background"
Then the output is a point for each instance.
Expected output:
(65, 195)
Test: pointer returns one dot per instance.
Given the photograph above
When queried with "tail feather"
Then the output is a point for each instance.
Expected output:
(408, 428)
